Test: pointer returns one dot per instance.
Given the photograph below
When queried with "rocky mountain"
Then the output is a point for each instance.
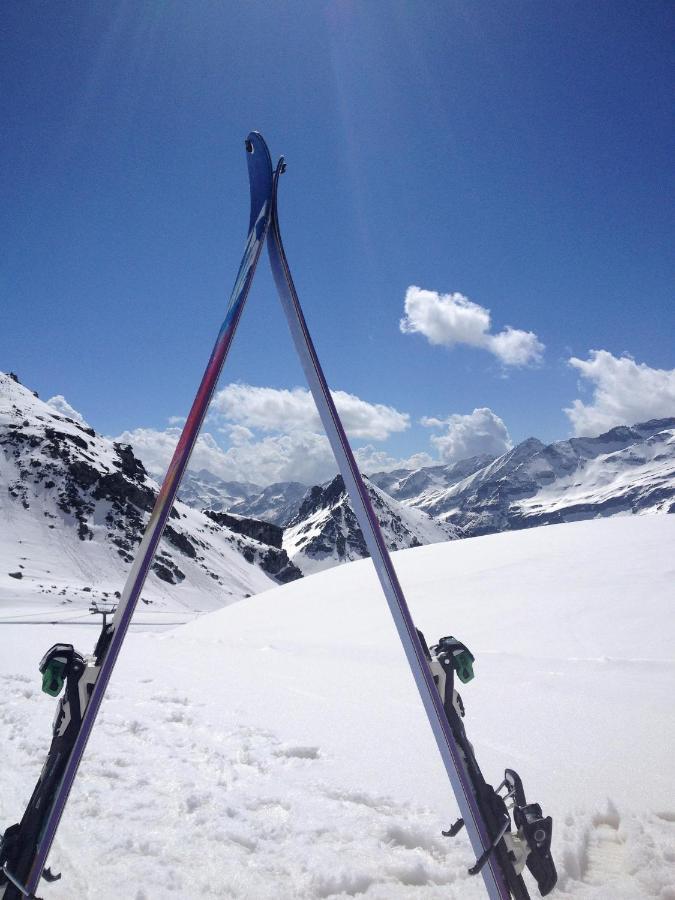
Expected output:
(277, 503)
(626, 470)
(73, 506)
(325, 531)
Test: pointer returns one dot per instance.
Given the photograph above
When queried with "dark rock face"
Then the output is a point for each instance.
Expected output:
(253, 528)
(321, 497)
(270, 557)
(340, 533)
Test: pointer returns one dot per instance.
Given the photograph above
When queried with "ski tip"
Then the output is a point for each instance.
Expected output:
(259, 164)
(255, 143)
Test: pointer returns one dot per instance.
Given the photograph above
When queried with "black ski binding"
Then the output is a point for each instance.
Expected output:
(520, 835)
(65, 671)
(537, 831)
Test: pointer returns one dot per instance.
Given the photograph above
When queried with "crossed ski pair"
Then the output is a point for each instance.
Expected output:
(26, 846)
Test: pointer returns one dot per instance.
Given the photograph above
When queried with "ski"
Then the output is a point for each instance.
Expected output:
(25, 846)
(486, 835)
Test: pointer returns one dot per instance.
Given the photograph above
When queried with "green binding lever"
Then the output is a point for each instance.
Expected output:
(54, 666)
(52, 677)
(462, 658)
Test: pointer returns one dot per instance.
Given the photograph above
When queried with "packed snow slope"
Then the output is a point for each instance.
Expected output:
(277, 748)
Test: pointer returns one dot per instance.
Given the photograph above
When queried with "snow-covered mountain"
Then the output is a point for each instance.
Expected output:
(408, 484)
(325, 531)
(277, 503)
(204, 490)
(625, 470)
(73, 506)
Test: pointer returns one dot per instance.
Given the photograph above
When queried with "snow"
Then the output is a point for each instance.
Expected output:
(277, 748)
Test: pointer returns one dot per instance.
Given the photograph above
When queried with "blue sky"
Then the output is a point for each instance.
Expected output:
(512, 157)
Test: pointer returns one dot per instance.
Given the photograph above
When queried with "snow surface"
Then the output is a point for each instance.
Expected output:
(277, 748)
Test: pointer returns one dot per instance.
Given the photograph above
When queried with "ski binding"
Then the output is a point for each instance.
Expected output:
(519, 833)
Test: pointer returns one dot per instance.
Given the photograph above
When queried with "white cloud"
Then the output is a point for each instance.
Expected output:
(292, 446)
(624, 392)
(514, 347)
(238, 434)
(369, 460)
(300, 456)
(61, 406)
(449, 319)
(273, 409)
(155, 448)
(482, 431)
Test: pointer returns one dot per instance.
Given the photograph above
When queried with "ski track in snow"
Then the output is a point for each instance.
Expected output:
(258, 754)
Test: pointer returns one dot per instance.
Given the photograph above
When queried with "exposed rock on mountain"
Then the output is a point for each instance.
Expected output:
(275, 561)
(325, 531)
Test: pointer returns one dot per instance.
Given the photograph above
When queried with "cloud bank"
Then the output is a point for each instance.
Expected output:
(274, 409)
(449, 319)
(276, 435)
(479, 432)
(624, 392)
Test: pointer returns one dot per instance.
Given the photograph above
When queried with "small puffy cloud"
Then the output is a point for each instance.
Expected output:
(61, 406)
(274, 409)
(482, 431)
(624, 392)
(298, 456)
(445, 319)
(449, 319)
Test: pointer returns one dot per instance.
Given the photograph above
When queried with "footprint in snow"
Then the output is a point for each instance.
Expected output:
(298, 752)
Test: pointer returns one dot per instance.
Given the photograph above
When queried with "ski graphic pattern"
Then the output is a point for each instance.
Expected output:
(260, 179)
(452, 758)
